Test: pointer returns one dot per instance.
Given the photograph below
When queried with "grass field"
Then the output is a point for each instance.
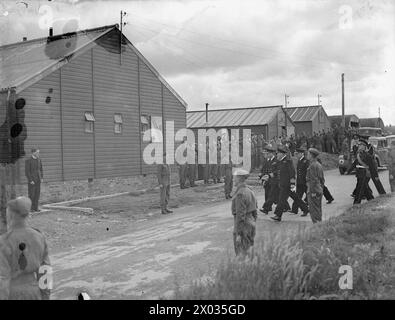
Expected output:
(306, 266)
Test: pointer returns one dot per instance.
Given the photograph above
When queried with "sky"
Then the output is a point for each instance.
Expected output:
(244, 53)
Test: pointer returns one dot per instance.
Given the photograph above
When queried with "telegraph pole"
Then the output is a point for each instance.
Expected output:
(343, 116)
(286, 100)
(121, 36)
(319, 99)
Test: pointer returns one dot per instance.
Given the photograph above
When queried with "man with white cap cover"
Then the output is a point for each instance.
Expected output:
(244, 210)
(24, 259)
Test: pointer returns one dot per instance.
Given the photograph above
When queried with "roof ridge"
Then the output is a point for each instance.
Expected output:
(232, 109)
(55, 37)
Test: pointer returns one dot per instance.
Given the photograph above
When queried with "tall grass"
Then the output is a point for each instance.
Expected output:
(304, 266)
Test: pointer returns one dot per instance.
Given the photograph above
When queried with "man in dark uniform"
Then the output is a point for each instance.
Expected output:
(269, 175)
(364, 166)
(35, 175)
(286, 184)
(375, 172)
(228, 186)
(301, 171)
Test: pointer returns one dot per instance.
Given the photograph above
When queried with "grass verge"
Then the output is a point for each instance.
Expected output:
(306, 266)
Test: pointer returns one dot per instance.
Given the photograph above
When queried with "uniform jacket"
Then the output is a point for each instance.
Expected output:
(315, 178)
(301, 171)
(163, 174)
(19, 270)
(391, 161)
(285, 172)
(244, 207)
(34, 169)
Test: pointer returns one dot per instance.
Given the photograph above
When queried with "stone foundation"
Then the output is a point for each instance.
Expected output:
(53, 192)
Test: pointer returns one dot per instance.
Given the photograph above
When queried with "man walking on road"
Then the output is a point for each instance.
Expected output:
(244, 211)
(34, 174)
(301, 172)
(228, 179)
(270, 174)
(164, 184)
(391, 165)
(315, 183)
(286, 184)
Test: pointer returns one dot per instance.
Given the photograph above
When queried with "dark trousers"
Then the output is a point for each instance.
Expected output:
(283, 205)
(378, 185)
(327, 194)
(301, 190)
(34, 194)
(273, 197)
(362, 189)
(183, 174)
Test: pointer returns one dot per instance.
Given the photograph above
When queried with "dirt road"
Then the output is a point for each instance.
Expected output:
(155, 255)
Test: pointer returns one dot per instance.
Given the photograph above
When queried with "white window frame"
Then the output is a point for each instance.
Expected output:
(89, 122)
(118, 123)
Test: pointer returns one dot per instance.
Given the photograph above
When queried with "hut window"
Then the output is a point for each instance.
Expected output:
(145, 123)
(118, 123)
(89, 122)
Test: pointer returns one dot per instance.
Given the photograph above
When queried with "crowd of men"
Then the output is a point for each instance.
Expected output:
(333, 140)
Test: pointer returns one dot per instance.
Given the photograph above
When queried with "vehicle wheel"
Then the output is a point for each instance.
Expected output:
(342, 171)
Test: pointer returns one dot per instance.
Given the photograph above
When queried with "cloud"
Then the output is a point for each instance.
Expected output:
(237, 53)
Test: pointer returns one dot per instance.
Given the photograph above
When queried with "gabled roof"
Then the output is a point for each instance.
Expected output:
(237, 117)
(371, 122)
(24, 63)
(303, 113)
(338, 119)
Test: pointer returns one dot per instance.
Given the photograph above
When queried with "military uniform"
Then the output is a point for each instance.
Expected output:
(391, 167)
(375, 173)
(244, 211)
(364, 165)
(273, 185)
(286, 179)
(228, 180)
(301, 184)
(163, 175)
(22, 252)
(183, 171)
(315, 183)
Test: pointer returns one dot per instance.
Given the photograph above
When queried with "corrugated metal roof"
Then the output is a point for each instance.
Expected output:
(338, 119)
(303, 113)
(25, 62)
(222, 118)
(371, 122)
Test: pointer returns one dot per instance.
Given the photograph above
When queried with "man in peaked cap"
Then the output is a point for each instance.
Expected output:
(244, 211)
(286, 184)
(375, 172)
(364, 166)
(301, 172)
(315, 184)
(24, 257)
(269, 176)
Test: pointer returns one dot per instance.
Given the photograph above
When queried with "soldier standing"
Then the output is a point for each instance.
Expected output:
(24, 257)
(375, 172)
(364, 165)
(164, 185)
(244, 211)
(271, 184)
(34, 175)
(391, 165)
(301, 172)
(183, 169)
(315, 183)
(192, 166)
(286, 184)
(228, 179)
